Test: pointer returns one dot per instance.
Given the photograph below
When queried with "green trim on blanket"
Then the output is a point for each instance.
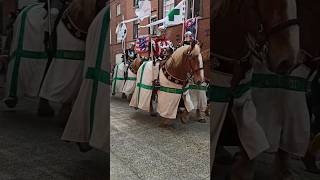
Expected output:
(162, 88)
(142, 71)
(29, 54)
(291, 83)
(101, 75)
(68, 54)
(198, 87)
(128, 78)
(18, 53)
(101, 47)
(282, 82)
(224, 94)
(114, 83)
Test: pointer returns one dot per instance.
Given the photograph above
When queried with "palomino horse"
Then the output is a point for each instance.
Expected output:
(310, 42)
(274, 24)
(173, 77)
(65, 73)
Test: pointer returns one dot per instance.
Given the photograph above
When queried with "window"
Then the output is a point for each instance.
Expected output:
(153, 29)
(198, 8)
(135, 3)
(135, 29)
(168, 5)
(118, 10)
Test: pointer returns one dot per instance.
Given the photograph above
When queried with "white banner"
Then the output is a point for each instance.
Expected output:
(144, 9)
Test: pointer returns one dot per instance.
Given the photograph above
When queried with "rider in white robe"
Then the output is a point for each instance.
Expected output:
(89, 119)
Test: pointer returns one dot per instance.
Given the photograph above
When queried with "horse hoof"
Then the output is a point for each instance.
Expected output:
(11, 102)
(154, 114)
(43, 113)
(84, 147)
(202, 121)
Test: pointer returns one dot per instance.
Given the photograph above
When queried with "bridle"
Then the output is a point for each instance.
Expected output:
(189, 56)
(261, 47)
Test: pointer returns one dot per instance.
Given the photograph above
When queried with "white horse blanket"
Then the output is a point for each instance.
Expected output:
(64, 76)
(198, 95)
(130, 83)
(118, 78)
(250, 132)
(28, 58)
(281, 108)
(169, 94)
(89, 119)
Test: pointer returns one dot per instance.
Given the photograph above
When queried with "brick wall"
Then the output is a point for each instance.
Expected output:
(174, 32)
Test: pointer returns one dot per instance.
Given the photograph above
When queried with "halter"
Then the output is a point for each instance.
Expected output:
(262, 46)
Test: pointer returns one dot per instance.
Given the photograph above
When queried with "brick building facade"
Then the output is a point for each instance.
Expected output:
(126, 10)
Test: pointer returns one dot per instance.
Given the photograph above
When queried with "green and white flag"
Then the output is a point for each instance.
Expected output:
(177, 14)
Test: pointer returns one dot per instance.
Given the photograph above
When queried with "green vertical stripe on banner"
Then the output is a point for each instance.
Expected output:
(115, 81)
(102, 43)
(142, 71)
(16, 67)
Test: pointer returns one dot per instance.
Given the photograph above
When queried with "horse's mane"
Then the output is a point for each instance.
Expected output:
(177, 56)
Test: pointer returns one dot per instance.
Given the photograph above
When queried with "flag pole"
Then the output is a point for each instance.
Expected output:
(192, 8)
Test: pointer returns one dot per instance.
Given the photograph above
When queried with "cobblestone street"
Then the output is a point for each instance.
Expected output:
(31, 148)
(142, 150)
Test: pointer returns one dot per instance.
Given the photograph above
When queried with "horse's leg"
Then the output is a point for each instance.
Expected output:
(153, 112)
(11, 102)
(184, 116)
(310, 158)
(243, 167)
(64, 113)
(44, 108)
(165, 123)
(281, 165)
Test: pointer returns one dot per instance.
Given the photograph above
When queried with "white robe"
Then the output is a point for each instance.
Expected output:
(90, 116)
(64, 76)
(28, 58)
(118, 78)
(283, 113)
(130, 83)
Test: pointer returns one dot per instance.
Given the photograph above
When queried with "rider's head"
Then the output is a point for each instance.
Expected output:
(131, 46)
(188, 36)
(162, 31)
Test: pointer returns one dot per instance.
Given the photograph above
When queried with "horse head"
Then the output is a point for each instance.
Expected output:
(274, 26)
(195, 62)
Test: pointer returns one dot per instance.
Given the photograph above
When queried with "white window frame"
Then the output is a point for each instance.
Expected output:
(118, 9)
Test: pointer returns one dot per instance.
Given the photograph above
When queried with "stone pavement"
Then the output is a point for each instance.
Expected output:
(31, 149)
(264, 168)
(142, 150)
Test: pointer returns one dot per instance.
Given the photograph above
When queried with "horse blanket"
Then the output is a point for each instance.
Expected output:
(250, 132)
(89, 119)
(118, 78)
(169, 94)
(28, 59)
(64, 76)
(198, 95)
(130, 84)
(282, 109)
